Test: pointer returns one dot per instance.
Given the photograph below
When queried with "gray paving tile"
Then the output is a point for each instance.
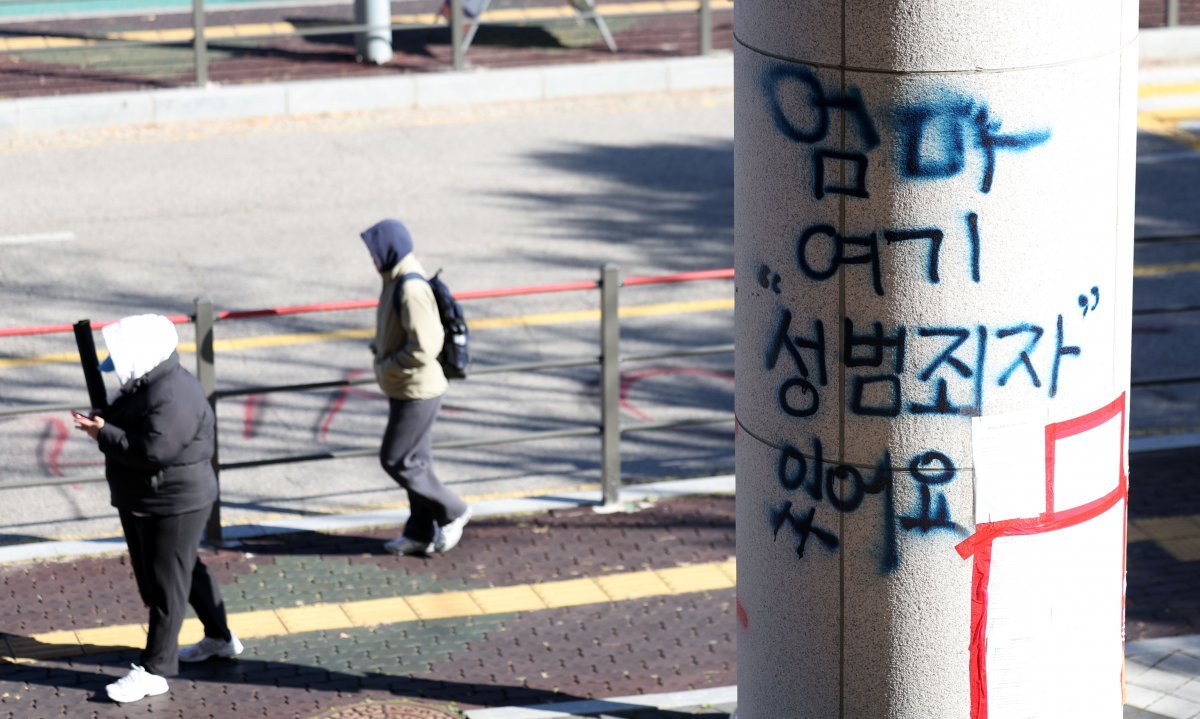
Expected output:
(1135, 713)
(1160, 680)
(1176, 708)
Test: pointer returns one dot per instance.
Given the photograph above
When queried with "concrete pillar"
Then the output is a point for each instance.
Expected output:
(934, 222)
(374, 45)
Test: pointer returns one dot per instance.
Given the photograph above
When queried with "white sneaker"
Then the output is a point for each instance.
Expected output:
(210, 647)
(137, 684)
(451, 532)
(404, 545)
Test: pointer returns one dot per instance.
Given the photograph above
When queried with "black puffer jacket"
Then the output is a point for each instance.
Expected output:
(158, 446)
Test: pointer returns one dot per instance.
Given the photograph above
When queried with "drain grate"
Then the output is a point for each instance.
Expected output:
(388, 710)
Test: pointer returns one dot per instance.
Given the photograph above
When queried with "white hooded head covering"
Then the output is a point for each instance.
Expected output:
(138, 344)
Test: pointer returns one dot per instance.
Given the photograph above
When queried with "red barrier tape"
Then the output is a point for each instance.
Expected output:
(57, 329)
(980, 544)
(296, 310)
(367, 304)
(726, 274)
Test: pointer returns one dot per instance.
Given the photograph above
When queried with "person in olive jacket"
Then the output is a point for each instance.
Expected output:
(408, 338)
(157, 437)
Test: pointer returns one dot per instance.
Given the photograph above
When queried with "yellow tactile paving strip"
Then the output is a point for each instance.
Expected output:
(1178, 536)
(1166, 120)
(396, 610)
(282, 29)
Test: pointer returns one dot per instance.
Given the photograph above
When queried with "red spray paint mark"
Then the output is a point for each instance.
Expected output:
(250, 412)
(57, 439)
(50, 451)
(743, 618)
(632, 378)
(339, 401)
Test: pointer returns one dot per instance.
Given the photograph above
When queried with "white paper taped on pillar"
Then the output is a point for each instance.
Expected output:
(934, 274)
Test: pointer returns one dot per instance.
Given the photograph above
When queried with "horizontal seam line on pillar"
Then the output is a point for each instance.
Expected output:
(976, 71)
(805, 455)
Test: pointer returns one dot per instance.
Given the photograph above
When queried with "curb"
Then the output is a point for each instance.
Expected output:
(1169, 44)
(630, 496)
(405, 92)
(670, 700)
(1172, 46)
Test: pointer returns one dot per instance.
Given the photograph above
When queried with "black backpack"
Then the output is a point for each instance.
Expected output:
(454, 356)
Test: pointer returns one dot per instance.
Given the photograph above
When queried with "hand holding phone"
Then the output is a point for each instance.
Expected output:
(88, 424)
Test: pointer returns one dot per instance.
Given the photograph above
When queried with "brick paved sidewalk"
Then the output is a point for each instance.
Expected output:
(532, 609)
(624, 619)
(40, 68)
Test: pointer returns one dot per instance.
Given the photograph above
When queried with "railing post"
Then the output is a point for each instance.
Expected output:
(199, 43)
(373, 43)
(457, 53)
(706, 27)
(207, 374)
(1172, 13)
(610, 383)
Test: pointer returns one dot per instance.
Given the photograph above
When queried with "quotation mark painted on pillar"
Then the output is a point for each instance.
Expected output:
(768, 279)
(1084, 303)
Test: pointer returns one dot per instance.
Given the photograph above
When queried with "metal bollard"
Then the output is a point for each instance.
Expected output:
(458, 51)
(374, 43)
(706, 27)
(206, 373)
(199, 43)
(610, 383)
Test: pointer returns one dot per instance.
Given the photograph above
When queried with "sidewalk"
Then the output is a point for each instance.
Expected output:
(557, 606)
(657, 55)
(547, 609)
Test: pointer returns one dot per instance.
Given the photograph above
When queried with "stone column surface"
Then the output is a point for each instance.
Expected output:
(934, 243)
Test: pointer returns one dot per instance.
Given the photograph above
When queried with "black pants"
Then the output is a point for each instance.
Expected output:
(170, 575)
(407, 455)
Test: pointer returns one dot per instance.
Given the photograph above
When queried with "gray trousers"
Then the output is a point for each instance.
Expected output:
(170, 576)
(407, 455)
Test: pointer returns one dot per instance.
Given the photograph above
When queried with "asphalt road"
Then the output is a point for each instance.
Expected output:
(253, 215)
(267, 214)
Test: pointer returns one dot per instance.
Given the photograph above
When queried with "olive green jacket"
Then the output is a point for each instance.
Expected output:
(408, 342)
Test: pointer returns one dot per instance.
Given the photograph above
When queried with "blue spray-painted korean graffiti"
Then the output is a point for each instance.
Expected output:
(957, 366)
(821, 251)
(844, 488)
(879, 379)
(933, 139)
(821, 102)
(932, 135)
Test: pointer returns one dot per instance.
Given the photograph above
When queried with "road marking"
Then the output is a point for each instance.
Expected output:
(1167, 90)
(1173, 268)
(485, 323)
(36, 238)
(539, 596)
(1168, 157)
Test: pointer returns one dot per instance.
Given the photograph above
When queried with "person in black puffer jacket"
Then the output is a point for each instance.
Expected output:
(157, 437)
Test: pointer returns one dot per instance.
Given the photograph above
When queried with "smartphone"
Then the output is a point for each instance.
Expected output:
(79, 415)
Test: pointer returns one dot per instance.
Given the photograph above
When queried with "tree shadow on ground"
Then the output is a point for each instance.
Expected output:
(671, 201)
(64, 669)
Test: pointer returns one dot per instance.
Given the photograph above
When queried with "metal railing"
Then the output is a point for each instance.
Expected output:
(609, 360)
(35, 39)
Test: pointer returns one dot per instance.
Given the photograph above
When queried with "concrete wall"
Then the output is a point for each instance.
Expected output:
(934, 214)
